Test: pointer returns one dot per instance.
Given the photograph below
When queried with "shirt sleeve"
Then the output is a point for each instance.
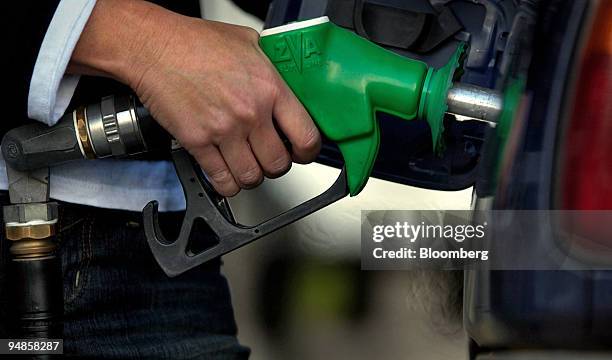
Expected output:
(51, 88)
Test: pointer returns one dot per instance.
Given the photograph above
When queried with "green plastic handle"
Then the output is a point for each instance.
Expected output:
(343, 79)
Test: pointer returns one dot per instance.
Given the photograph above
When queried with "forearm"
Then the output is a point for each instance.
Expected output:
(122, 39)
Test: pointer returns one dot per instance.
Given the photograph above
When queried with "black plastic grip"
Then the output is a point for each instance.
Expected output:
(36, 145)
(155, 137)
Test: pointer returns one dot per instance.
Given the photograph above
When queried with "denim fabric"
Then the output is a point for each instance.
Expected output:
(119, 304)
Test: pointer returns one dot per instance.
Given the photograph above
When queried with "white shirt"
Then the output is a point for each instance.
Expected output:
(116, 184)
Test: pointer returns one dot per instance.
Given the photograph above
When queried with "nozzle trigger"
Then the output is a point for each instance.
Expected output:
(204, 203)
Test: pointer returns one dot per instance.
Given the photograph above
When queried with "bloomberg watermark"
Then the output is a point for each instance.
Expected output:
(412, 233)
(494, 240)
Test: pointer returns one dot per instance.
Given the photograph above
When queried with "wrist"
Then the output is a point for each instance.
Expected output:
(122, 40)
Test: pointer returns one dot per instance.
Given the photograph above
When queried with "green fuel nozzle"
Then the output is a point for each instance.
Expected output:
(343, 79)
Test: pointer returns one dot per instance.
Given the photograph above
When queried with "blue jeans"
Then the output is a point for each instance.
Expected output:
(119, 304)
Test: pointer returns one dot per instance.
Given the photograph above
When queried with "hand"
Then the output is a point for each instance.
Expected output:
(207, 83)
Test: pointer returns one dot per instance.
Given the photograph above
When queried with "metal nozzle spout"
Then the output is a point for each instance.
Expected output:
(474, 102)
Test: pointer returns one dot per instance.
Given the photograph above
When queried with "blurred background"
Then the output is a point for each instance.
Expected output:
(300, 293)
